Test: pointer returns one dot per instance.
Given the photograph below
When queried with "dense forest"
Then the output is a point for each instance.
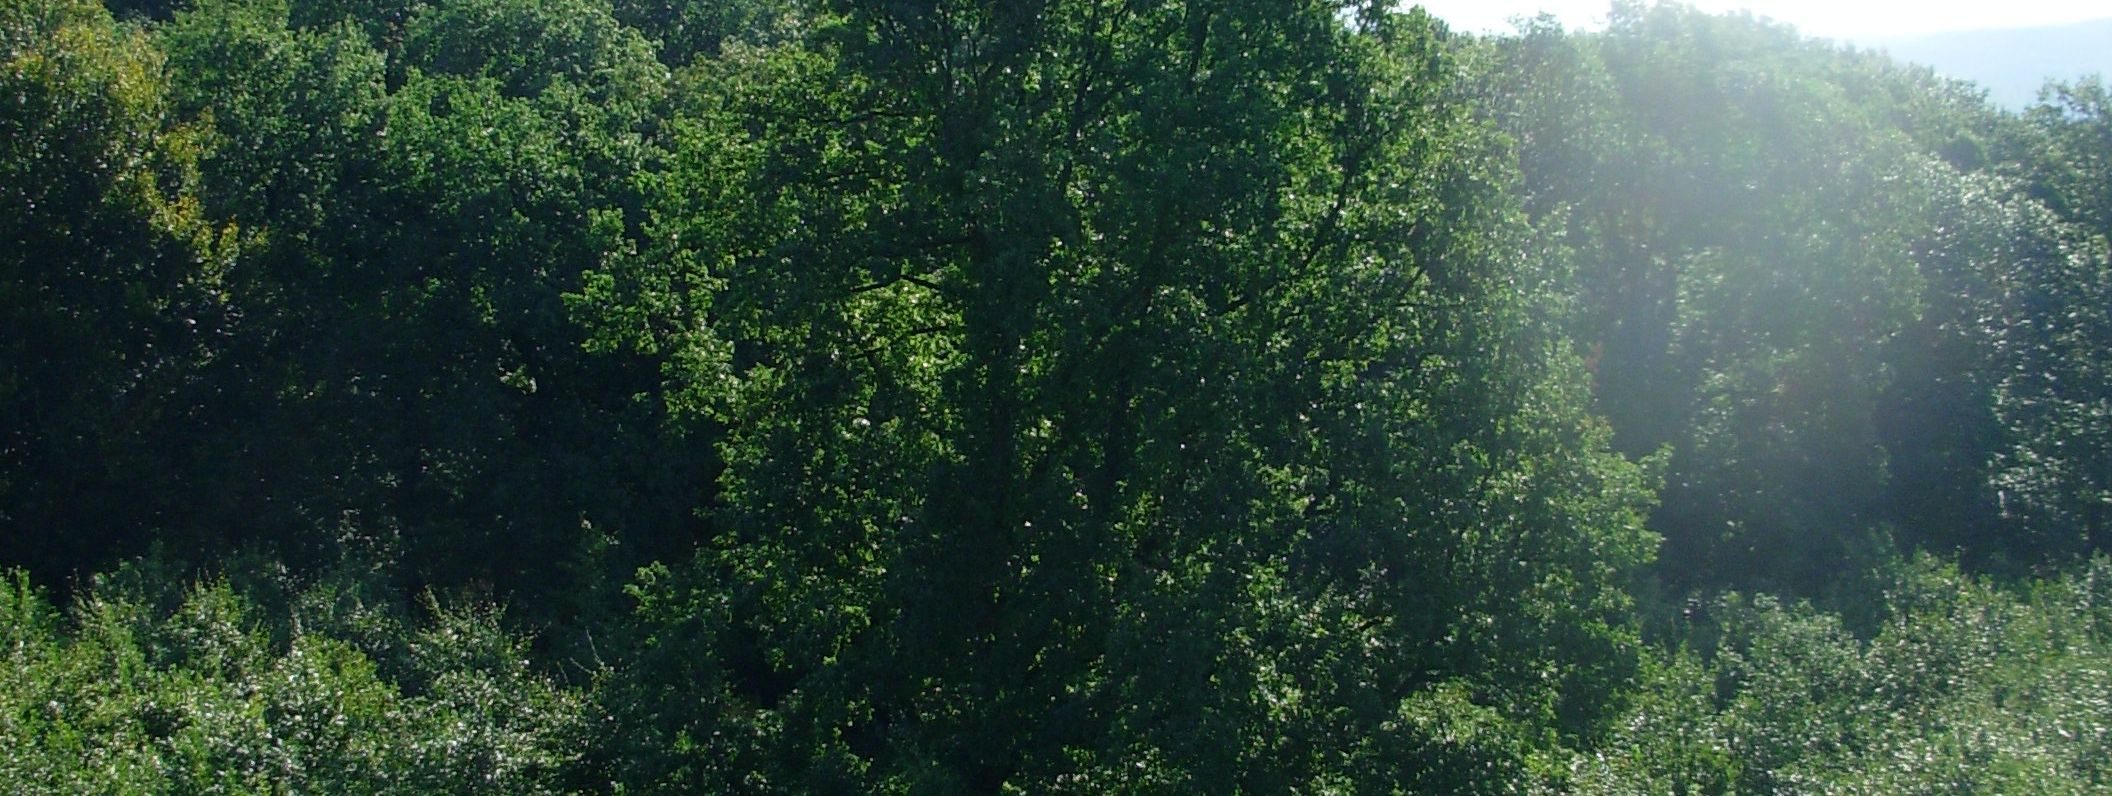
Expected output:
(1065, 396)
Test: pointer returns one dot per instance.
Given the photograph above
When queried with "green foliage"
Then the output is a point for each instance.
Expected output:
(2074, 121)
(699, 32)
(406, 371)
(2056, 478)
(1070, 396)
(1144, 400)
(1966, 688)
(1804, 272)
(1730, 211)
(125, 698)
(109, 280)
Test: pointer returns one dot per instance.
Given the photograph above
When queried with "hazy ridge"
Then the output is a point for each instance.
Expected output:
(2012, 63)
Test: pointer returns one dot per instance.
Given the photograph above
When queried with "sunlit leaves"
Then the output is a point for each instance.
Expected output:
(203, 699)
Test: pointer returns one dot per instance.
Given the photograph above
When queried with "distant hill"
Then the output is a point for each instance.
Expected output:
(2014, 62)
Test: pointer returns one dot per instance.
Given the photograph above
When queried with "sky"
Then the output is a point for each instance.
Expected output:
(1839, 19)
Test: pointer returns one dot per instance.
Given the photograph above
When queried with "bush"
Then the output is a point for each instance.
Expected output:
(1966, 687)
(122, 697)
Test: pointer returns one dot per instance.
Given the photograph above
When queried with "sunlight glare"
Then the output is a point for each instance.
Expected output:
(1860, 19)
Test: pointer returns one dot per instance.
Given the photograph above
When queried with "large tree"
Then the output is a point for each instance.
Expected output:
(109, 284)
(1116, 397)
(403, 379)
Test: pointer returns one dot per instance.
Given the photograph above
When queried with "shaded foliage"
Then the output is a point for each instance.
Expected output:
(110, 282)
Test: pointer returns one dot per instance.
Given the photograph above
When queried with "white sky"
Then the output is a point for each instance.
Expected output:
(1841, 19)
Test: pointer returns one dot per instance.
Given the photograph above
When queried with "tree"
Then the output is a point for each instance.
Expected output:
(2073, 126)
(109, 285)
(1748, 212)
(406, 382)
(1116, 398)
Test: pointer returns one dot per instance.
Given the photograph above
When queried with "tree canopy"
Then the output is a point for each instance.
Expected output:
(1056, 397)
